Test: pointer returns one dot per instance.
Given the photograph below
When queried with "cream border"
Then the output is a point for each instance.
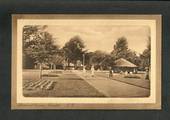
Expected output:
(95, 103)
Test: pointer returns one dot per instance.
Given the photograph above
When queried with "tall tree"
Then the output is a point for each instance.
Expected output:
(74, 49)
(146, 55)
(28, 33)
(120, 49)
(38, 44)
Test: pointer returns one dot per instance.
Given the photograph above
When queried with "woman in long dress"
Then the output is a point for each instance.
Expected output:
(92, 70)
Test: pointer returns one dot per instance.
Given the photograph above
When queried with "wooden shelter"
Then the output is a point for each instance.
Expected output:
(123, 65)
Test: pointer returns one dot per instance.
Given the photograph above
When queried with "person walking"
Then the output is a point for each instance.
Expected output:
(110, 73)
(92, 70)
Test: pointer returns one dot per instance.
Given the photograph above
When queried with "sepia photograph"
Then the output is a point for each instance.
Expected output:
(86, 61)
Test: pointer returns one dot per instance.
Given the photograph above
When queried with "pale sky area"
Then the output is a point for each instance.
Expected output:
(102, 37)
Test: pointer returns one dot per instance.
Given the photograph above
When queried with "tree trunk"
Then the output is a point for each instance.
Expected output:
(75, 65)
(68, 63)
(51, 66)
(54, 67)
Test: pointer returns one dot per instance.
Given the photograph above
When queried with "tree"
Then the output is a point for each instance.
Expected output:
(88, 56)
(145, 59)
(97, 57)
(73, 49)
(38, 44)
(28, 33)
(57, 59)
(146, 55)
(28, 62)
(120, 49)
(101, 60)
(133, 57)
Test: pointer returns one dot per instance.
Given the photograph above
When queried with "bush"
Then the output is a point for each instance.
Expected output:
(132, 76)
(50, 75)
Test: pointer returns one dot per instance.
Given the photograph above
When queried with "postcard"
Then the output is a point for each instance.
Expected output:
(86, 61)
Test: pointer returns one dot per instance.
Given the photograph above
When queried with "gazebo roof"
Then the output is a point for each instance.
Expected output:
(124, 63)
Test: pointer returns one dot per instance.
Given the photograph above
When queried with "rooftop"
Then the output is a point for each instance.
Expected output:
(124, 63)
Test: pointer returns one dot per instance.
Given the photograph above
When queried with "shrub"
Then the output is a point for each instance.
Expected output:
(132, 76)
(50, 75)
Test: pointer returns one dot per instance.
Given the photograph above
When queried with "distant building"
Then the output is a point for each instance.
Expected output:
(58, 63)
(123, 65)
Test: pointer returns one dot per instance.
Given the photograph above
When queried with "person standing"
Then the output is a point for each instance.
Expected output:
(110, 73)
(92, 70)
(84, 69)
(147, 74)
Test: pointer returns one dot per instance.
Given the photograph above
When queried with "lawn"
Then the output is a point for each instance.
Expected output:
(56, 84)
(134, 79)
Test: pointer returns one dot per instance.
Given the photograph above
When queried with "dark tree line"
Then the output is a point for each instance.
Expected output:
(39, 49)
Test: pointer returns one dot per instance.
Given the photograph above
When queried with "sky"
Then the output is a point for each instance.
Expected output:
(102, 37)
